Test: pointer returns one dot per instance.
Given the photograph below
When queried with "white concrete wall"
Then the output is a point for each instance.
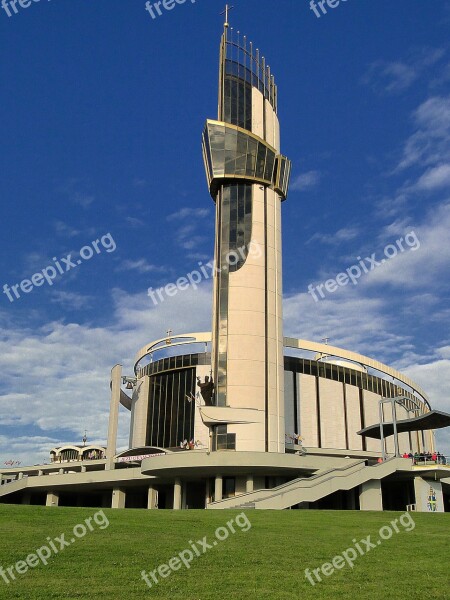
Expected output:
(372, 416)
(306, 386)
(353, 417)
(332, 414)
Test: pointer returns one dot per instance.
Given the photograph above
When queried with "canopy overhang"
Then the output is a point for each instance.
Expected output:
(434, 419)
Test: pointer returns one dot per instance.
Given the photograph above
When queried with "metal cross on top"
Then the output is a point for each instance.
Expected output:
(226, 13)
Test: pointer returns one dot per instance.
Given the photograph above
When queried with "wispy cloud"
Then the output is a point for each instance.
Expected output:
(71, 300)
(434, 178)
(134, 222)
(73, 190)
(141, 266)
(394, 77)
(333, 239)
(189, 213)
(430, 144)
(306, 181)
(139, 182)
(65, 230)
(189, 223)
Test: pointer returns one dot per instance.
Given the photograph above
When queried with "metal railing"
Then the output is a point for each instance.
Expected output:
(426, 460)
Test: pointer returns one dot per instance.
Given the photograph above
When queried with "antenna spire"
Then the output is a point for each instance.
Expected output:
(226, 12)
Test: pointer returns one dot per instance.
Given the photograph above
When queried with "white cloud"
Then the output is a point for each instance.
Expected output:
(434, 376)
(430, 143)
(71, 300)
(435, 178)
(189, 213)
(134, 222)
(343, 235)
(427, 266)
(306, 181)
(141, 266)
(394, 77)
(57, 376)
(65, 230)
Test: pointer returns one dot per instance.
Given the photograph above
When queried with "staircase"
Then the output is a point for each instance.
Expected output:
(13, 486)
(311, 489)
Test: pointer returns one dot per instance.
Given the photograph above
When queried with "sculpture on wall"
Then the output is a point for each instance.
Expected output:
(206, 390)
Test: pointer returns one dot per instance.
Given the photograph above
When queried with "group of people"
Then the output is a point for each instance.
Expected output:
(435, 457)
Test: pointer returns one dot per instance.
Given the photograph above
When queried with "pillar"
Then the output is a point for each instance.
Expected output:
(111, 448)
(249, 484)
(138, 429)
(118, 498)
(370, 497)
(52, 499)
(177, 495)
(218, 488)
(429, 496)
(152, 498)
(207, 493)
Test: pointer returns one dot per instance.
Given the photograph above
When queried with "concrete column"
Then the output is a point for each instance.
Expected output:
(20, 476)
(111, 448)
(40, 473)
(249, 484)
(83, 469)
(118, 498)
(138, 430)
(218, 488)
(52, 499)
(207, 493)
(370, 497)
(177, 493)
(429, 496)
(61, 471)
(152, 498)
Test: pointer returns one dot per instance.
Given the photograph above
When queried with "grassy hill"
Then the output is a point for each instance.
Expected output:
(265, 557)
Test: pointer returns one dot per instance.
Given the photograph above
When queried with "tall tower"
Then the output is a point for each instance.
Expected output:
(248, 180)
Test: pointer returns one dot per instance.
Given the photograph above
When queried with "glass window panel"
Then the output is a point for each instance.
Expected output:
(270, 163)
(251, 157)
(230, 150)
(217, 141)
(282, 169)
(241, 157)
(261, 161)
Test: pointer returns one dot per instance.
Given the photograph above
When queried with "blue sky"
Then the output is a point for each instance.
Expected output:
(102, 113)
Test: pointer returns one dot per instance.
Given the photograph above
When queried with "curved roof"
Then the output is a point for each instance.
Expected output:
(299, 344)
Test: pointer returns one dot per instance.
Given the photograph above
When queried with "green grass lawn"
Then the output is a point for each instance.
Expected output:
(267, 561)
